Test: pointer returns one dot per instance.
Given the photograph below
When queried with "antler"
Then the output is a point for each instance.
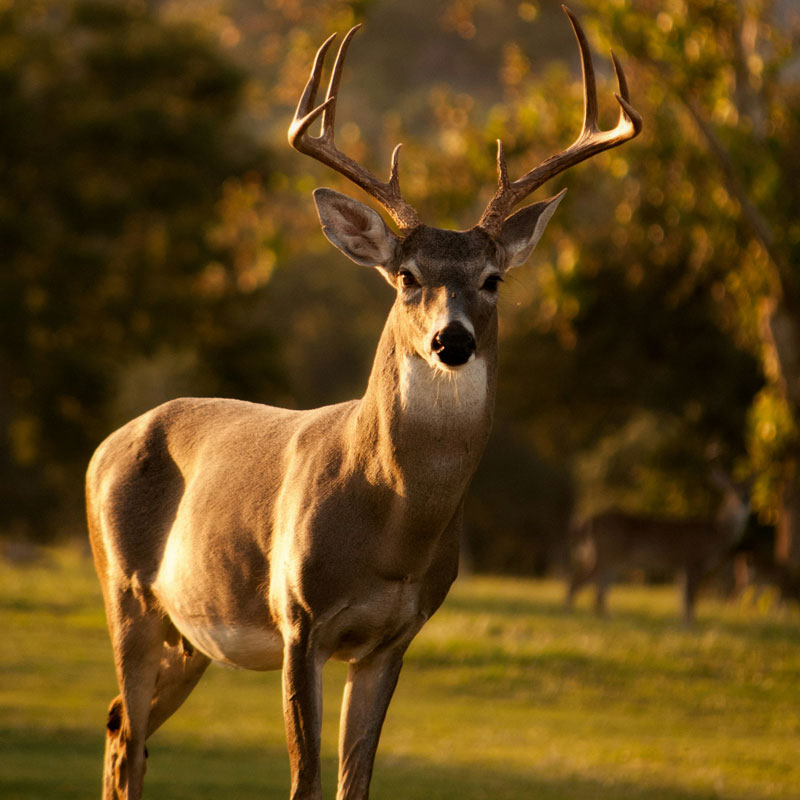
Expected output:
(590, 141)
(323, 148)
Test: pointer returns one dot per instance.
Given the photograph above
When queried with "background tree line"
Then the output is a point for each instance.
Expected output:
(159, 238)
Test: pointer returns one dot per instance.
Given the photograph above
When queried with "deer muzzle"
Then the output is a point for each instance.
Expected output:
(453, 345)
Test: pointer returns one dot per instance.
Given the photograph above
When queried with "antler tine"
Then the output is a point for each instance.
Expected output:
(627, 112)
(622, 81)
(306, 113)
(587, 69)
(590, 141)
(323, 148)
(394, 175)
(502, 167)
(329, 115)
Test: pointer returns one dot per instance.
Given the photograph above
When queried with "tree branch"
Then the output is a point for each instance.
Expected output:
(752, 216)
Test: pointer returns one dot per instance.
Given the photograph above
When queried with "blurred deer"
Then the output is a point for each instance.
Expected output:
(614, 542)
(756, 568)
(265, 538)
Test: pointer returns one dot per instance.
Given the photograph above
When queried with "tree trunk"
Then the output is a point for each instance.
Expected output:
(784, 335)
(787, 539)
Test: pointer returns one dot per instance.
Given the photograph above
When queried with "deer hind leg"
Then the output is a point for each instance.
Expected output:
(137, 635)
(181, 668)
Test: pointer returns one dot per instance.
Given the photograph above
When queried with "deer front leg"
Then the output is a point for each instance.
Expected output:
(302, 713)
(369, 688)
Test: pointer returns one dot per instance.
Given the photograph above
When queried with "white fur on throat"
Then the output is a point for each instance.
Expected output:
(438, 393)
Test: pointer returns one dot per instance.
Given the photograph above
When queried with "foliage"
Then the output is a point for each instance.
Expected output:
(502, 695)
(772, 434)
(723, 76)
(119, 153)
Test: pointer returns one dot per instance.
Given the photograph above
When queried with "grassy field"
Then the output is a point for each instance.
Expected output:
(504, 696)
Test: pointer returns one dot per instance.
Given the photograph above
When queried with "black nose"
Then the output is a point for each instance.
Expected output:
(453, 345)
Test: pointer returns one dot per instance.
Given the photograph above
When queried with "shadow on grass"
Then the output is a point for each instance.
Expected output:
(554, 609)
(66, 765)
(481, 602)
(766, 628)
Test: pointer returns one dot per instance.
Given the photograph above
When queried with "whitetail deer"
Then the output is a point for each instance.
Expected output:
(609, 544)
(272, 539)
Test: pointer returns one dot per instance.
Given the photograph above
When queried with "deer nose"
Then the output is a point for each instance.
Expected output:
(453, 344)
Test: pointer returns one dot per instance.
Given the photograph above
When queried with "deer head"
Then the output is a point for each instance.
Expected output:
(446, 280)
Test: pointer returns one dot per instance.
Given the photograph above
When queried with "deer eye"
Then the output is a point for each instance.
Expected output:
(491, 283)
(407, 280)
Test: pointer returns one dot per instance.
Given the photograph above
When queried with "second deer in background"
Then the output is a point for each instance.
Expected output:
(607, 545)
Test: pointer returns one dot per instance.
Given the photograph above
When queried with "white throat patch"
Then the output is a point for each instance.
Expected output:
(439, 393)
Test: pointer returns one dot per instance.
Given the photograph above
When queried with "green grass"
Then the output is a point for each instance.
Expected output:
(504, 696)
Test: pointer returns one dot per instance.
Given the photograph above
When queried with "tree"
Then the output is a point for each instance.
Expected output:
(726, 74)
(121, 168)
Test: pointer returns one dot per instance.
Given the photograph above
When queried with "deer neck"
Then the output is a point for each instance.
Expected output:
(421, 431)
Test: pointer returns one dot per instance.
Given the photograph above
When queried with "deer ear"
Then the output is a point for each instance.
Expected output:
(358, 231)
(521, 231)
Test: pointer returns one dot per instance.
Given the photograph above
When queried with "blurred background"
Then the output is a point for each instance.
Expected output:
(158, 238)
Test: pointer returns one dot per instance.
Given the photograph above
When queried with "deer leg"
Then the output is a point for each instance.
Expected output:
(137, 636)
(691, 579)
(114, 768)
(180, 670)
(367, 693)
(573, 584)
(302, 713)
(602, 583)
(579, 577)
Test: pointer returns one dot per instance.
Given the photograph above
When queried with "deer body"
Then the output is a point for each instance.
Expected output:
(266, 538)
(381, 548)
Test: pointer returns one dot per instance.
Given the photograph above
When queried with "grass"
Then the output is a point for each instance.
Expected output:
(504, 696)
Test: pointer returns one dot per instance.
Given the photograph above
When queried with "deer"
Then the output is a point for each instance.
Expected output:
(276, 539)
(610, 543)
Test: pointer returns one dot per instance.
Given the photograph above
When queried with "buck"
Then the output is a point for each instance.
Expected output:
(266, 538)
(606, 545)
